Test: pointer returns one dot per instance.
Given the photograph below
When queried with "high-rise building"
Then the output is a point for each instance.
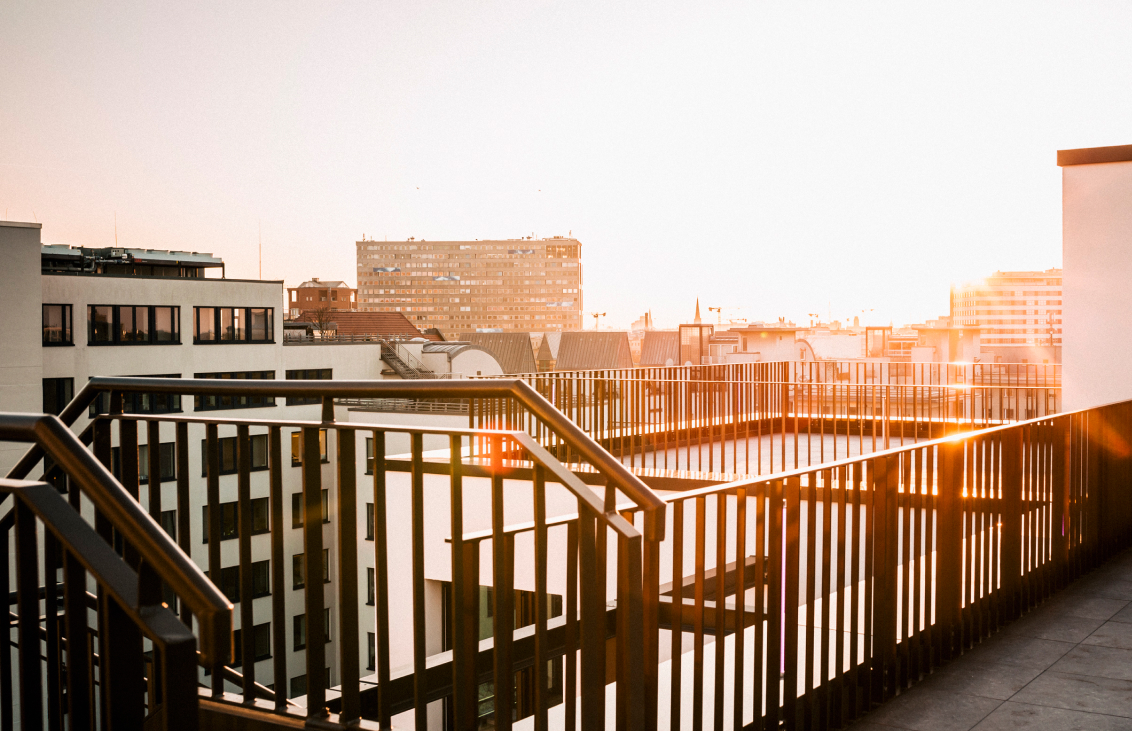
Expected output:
(1018, 313)
(514, 285)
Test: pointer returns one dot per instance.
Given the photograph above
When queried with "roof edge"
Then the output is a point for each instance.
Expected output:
(1094, 155)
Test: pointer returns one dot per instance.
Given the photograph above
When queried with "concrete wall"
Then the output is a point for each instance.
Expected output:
(21, 328)
(1097, 298)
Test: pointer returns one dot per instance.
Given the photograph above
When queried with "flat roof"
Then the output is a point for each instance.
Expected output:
(1093, 155)
(20, 224)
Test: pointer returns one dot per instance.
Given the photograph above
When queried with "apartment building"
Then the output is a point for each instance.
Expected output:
(1018, 313)
(513, 285)
(76, 313)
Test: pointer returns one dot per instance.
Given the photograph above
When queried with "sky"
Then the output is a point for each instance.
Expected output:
(771, 159)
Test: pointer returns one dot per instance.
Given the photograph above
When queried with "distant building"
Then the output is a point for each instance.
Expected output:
(316, 295)
(515, 285)
(589, 350)
(512, 350)
(1018, 314)
(660, 348)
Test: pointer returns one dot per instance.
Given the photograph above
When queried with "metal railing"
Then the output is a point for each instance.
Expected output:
(596, 622)
(826, 589)
(830, 589)
(760, 423)
(98, 675)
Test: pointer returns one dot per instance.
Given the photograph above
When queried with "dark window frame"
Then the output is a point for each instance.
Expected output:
(297, 447)
(262, 648)
(223, 403)
(229, 464)
(67, 336)
(140, 403)
(57, 393)
(298, 569)
(230, 519)
(243, 332)
(297, 508)
(115, 334)
(307, 374)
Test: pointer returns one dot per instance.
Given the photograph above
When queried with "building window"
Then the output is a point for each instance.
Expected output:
(299, 683)
(297, 447)
(168, 462)
(369, 521)
(300, 628)
(261, 644)
(298, 572)
(371, 642)
(233, 324)
(57, 393)
(230, 523)
(140, 403)
(221, 402)
(297, 508)
(227, 448)
(308, 374)
(132, 325)
(371, 586)
(169, 522)
(58, 325)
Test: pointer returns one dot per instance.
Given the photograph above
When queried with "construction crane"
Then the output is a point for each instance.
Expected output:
(596, 316)
(719, 314)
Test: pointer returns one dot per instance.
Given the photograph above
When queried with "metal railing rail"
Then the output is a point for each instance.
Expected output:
(586, 645)
(832, 371)
(763, 425)
(129, 601)
(856, 578)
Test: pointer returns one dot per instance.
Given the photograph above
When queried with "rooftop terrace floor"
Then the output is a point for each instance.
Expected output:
(1066, 665)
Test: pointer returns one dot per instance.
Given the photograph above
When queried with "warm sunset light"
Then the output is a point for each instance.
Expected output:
(511, 366)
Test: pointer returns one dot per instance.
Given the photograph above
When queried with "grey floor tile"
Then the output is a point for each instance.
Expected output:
(1079, 693)
(1011, 716)
(1093, 607)
(1111, 634)
(921, 709)
(1102, 586)
(1124, 615)
(866, 725)
(986, 679)
(1103, 662)
(1020, 650)
(1050, 625)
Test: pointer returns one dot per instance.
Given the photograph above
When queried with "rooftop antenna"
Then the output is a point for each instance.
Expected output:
(115, 229)
(261, 248)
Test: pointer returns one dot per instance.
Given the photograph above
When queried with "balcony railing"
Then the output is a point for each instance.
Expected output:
(801, 598)
(749, 419)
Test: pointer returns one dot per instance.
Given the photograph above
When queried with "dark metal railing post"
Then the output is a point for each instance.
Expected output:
(381, 571)
(1010, 600)
(278, 588)
(27, 604)
(215, 520)
(348, 576)
(312, 573)
(244, 516)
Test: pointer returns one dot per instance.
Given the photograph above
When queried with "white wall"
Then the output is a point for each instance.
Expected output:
(1097, 298)
(21, 387)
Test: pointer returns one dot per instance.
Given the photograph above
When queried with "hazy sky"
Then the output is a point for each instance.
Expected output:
(783, 158)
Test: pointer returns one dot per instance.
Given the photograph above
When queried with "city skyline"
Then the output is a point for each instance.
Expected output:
(715, 153)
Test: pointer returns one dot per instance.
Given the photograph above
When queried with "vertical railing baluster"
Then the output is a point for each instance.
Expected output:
(350, 647)
(570, 696)
(313, 591)
(542, 613)
(420, 704)
(184, 539)
(244, 516)
(27, 609)
(212, 495)
(381, 570)
(740, 606)
(6, 679)
(278, 590)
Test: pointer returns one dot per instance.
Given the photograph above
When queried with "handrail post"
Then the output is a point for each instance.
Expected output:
(949, 554)
(1011, 566)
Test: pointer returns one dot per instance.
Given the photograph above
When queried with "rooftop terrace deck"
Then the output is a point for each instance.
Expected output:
(1066, 665)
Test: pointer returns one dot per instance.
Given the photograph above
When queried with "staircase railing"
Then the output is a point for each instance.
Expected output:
(127, 555)
(598, 624)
